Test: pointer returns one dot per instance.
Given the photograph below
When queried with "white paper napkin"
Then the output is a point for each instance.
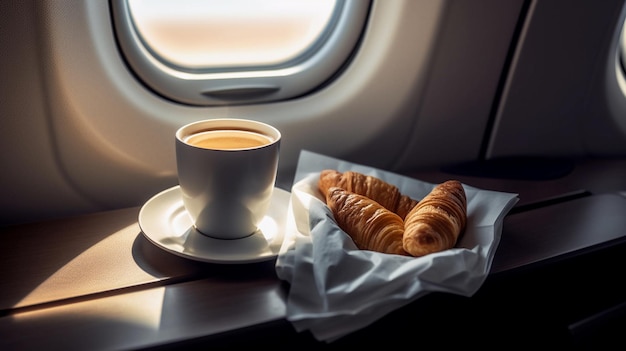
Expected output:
(336, 289)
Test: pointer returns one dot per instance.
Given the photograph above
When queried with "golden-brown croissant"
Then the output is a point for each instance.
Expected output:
(388, 195)
(369, 224)
(437, 221)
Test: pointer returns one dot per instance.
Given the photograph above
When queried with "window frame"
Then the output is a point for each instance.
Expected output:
(245, 85)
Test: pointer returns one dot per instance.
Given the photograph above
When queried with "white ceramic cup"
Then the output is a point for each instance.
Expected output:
(227, 173)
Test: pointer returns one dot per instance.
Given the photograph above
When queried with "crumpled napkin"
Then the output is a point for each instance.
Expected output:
(336, 289)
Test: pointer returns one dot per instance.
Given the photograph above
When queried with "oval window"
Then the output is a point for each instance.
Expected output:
(217, 52)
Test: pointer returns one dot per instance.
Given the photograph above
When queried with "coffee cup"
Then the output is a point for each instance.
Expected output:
(227, 172)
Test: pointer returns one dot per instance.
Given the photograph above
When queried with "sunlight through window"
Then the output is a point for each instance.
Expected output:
(233, 33)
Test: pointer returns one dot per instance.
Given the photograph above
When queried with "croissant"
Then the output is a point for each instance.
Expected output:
(388, 195)
(369, 224)
(437, 221)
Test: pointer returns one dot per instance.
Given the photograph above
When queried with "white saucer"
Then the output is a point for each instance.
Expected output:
(164, 221)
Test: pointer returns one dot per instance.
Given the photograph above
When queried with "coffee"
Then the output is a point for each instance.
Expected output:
(228, 139)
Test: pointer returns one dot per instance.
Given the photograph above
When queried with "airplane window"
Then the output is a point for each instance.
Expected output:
(218, 52)
(622, 49)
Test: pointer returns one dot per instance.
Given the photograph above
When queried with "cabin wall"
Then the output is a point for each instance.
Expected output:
(433, 83)
(562, 96)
